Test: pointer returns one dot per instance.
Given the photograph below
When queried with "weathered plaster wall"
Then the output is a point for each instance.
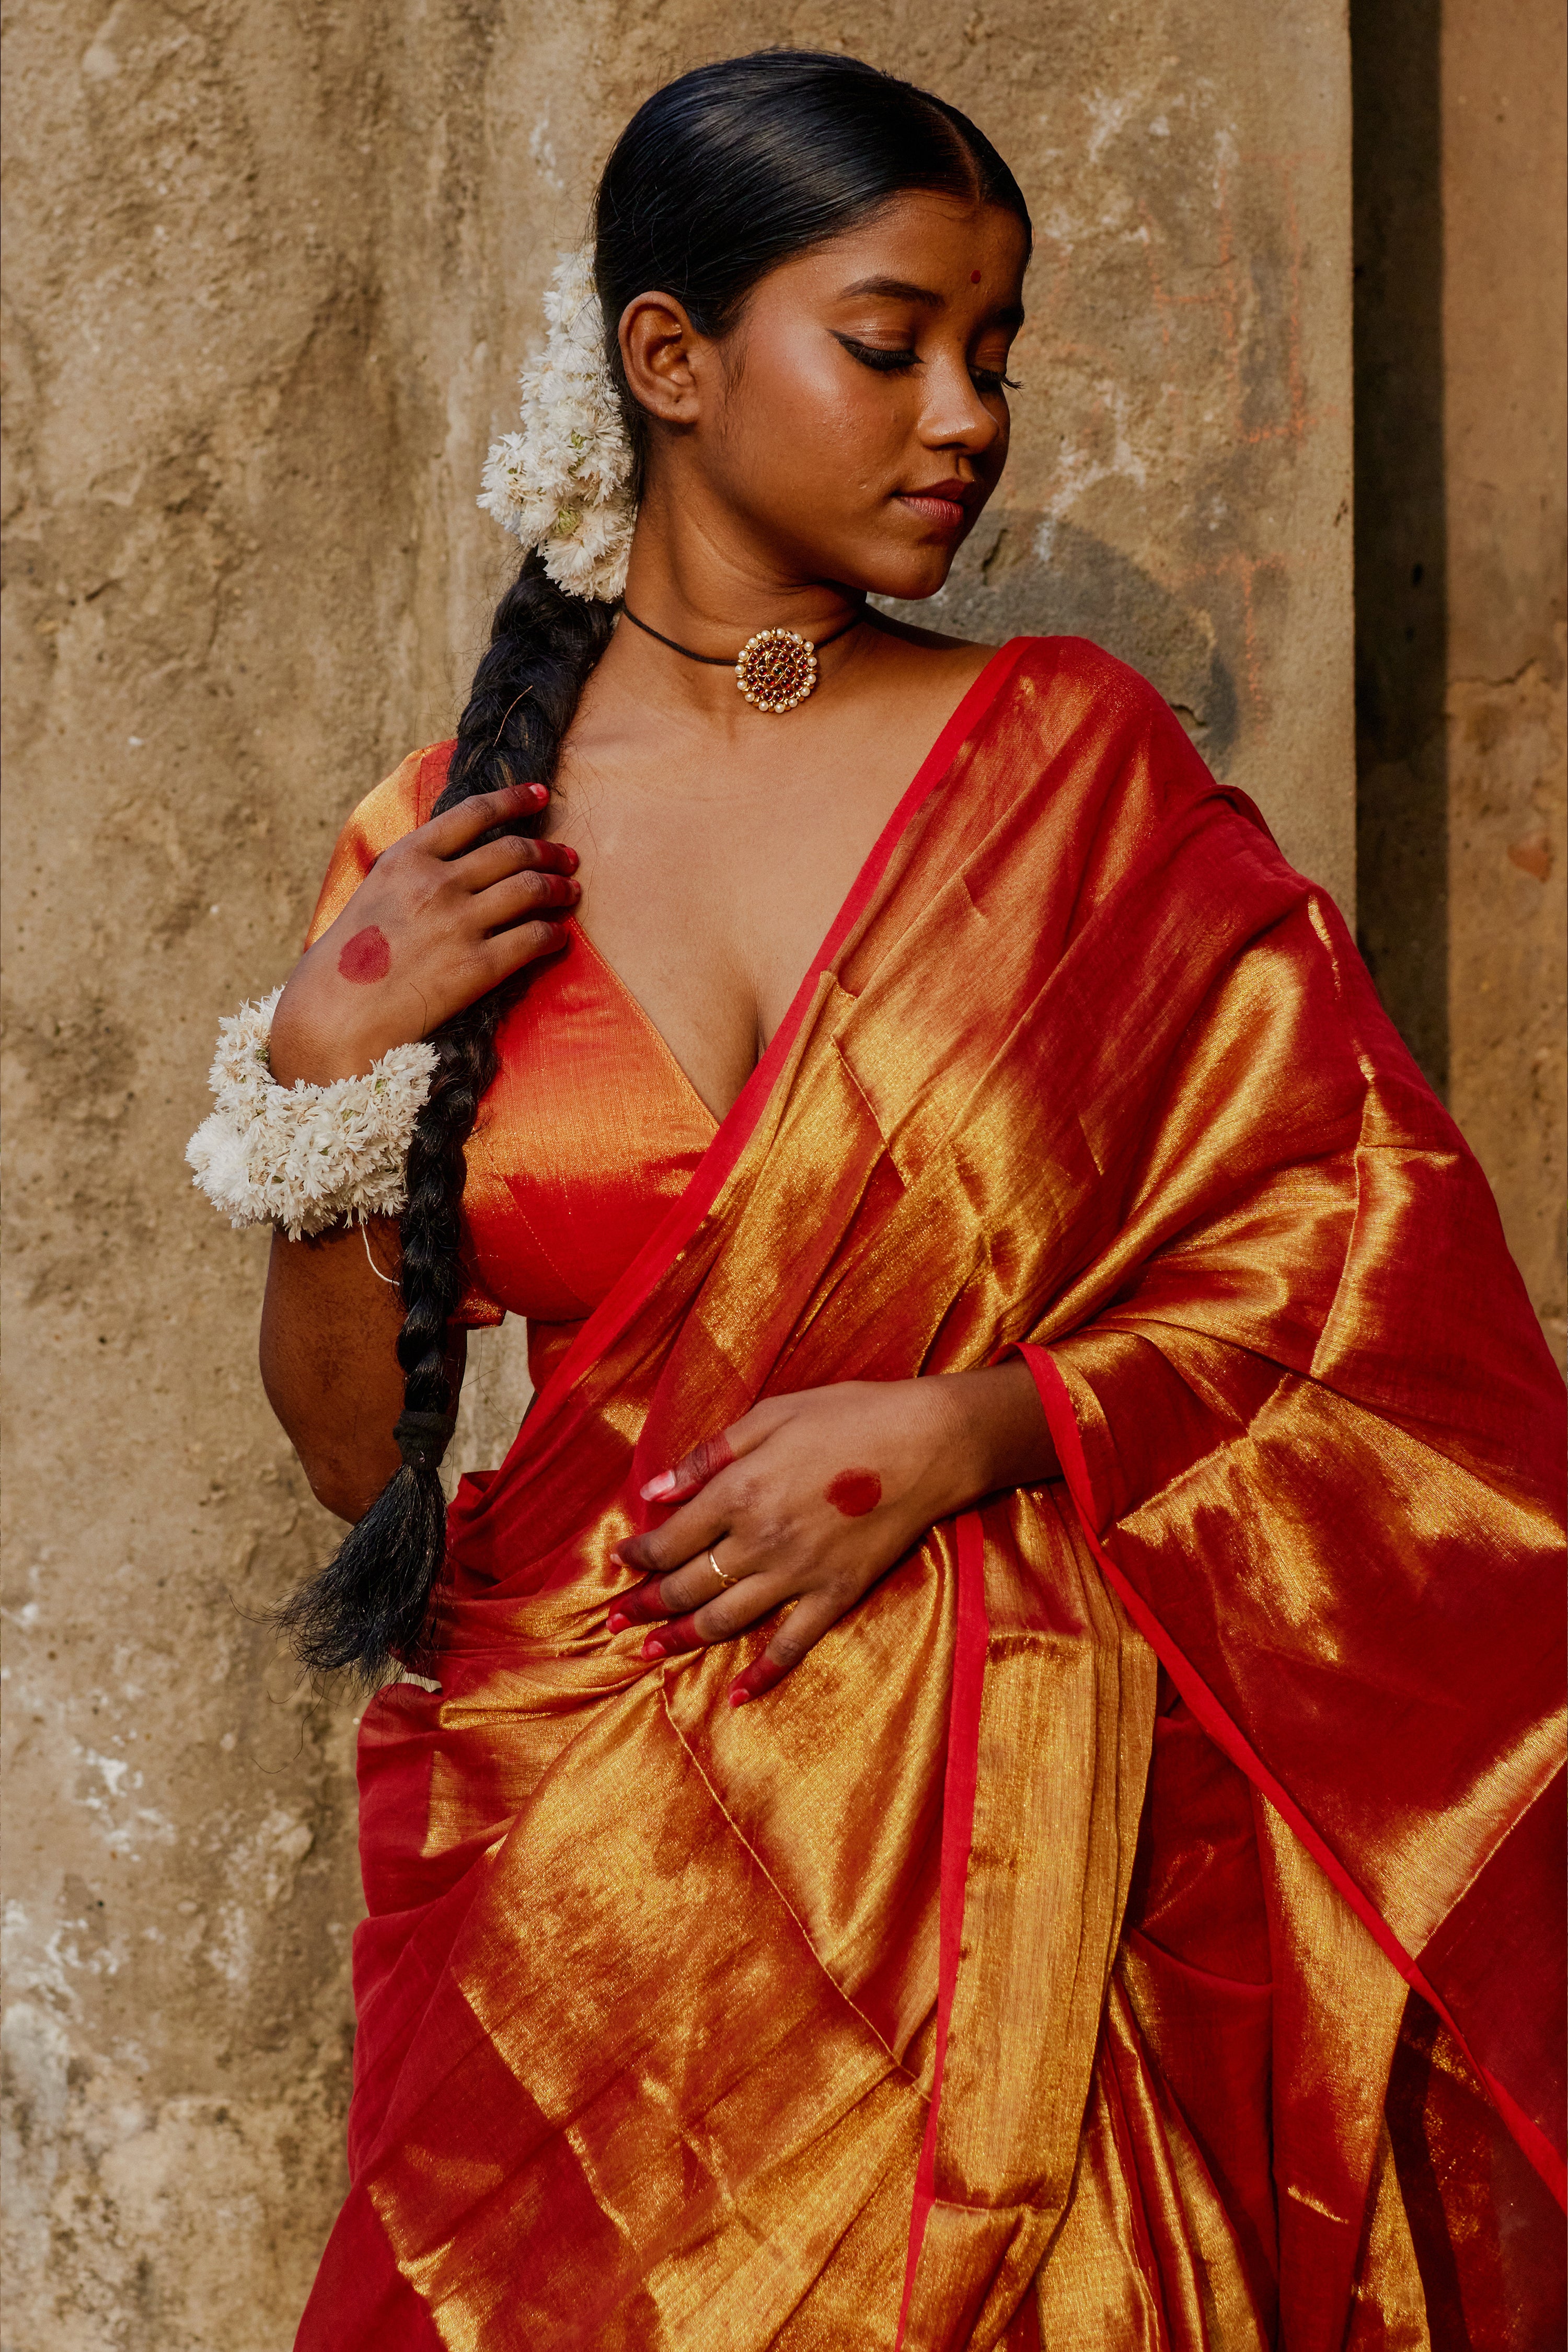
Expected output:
(1505, 316)
(272, 270)
(1461, 530)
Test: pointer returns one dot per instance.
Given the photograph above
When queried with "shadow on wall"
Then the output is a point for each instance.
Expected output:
(1401, 523)
(1023, 574)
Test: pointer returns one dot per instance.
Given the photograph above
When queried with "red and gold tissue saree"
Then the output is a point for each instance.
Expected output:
(1033, 1967)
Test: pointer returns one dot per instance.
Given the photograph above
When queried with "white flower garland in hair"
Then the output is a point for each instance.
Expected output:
(303, 1158)
(563, 485)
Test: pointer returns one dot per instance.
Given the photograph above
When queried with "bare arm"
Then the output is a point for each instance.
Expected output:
(436, 922)
(329, 1325)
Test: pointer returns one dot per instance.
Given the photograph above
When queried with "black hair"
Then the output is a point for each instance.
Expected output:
(716, 180)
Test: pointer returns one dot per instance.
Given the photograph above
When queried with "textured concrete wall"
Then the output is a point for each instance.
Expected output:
(271, 271)
(1505, 319)
(1462, 702)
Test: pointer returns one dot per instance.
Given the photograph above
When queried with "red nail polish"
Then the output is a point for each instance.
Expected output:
(739, 1697)
(653, 1647)
(617, 1622)
(536, 791)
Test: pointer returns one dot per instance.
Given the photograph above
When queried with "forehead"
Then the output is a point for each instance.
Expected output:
(921, 236)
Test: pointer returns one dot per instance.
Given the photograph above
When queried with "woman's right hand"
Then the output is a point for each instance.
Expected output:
(435, 924)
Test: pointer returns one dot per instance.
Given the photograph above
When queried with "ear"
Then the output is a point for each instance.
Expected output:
(661, 351)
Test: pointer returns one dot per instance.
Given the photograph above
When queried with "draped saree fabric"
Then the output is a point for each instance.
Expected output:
(1137, 1924)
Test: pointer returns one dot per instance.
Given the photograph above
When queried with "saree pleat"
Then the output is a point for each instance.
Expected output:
(1031, 1968)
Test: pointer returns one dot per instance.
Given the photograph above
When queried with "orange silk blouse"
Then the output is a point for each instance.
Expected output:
(591, 1130)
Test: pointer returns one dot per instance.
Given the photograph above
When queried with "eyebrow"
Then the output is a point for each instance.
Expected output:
(902, 290)
(899, 289)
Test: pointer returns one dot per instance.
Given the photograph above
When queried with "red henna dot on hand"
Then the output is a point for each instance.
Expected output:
(974, 276)
(854, 1492)
(368, 956)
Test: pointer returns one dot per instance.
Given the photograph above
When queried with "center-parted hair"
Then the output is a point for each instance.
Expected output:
(716, 180)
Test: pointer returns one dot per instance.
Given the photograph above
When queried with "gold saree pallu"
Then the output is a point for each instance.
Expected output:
(1136, 1925)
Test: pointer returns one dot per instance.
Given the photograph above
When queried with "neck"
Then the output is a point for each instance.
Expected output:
(699, 581)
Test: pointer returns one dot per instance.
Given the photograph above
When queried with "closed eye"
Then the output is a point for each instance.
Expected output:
(872, 355)
(895, 363)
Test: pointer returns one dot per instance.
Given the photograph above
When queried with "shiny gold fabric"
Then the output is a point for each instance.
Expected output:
(992, 1983)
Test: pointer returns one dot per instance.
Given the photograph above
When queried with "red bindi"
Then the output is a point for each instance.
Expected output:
(974, 276)
(854, 1492)
(368, 956)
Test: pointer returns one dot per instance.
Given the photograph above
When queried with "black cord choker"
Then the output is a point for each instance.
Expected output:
(775, 670)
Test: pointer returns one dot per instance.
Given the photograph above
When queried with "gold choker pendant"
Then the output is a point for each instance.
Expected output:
(776, 670)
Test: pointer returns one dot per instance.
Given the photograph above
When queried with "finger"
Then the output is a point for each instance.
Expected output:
(715, 1453)
(459, 828)
(500, 955)
(722, 1620)
(680, 1635)
(800, 1630)
(645, 1605)
(685, 1536)
(688, 1588)
(692, 1471)
(525, 898)
(514, 853)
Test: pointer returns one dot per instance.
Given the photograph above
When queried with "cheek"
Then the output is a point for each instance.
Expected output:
(367, 956)
(854, 1492)
(810, 437)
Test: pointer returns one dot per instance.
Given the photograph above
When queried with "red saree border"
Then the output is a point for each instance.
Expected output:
(610, 1318)
(1232, 1741)
(972, 1633)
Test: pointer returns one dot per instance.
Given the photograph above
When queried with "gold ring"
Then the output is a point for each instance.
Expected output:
(720, 1574)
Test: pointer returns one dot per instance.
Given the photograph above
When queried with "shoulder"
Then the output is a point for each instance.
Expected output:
(1093, 743)
(1055, 679)
(1070, 698)
(401, 801)
(932, 641)
(1082, 676)
(398, 804)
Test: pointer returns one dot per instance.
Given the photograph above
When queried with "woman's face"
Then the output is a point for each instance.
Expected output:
(855, 422)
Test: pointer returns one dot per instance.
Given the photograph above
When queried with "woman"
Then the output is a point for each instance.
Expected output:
(982, 1773)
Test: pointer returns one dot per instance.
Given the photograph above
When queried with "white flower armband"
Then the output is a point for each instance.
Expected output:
(303, 1158)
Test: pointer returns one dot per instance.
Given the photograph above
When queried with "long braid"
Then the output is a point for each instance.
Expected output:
(373, 1602)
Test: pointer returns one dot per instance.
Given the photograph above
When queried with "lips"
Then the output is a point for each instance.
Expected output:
(944, 503)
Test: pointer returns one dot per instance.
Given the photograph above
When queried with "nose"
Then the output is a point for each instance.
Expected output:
(954, 416)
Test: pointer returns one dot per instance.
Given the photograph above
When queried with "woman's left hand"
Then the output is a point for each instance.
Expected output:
(811, 1498)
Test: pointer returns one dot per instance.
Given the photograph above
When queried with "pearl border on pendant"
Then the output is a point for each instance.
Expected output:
(756, 660)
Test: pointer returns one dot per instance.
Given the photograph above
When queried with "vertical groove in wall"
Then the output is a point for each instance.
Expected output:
(1401, 551)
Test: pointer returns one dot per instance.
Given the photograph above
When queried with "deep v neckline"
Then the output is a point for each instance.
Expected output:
(647, 1023)
(730, 1134)
(863, 876)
